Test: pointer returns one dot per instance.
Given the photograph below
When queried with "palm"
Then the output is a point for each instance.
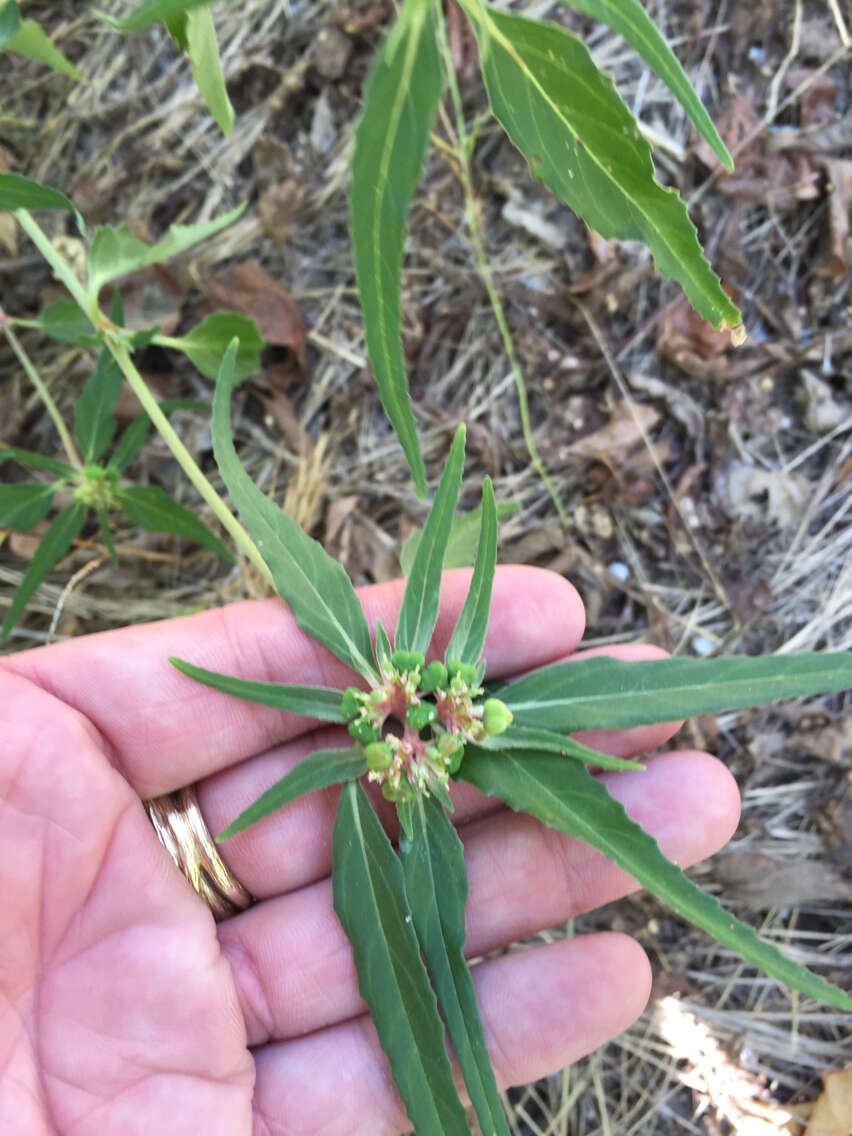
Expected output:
(126, 1009)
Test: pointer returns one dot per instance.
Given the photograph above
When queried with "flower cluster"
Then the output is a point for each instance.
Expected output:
(415, 725)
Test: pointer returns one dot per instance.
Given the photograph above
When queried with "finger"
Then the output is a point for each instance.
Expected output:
(166, 731)
(303, 826)
(293, 965)
(541, 1008)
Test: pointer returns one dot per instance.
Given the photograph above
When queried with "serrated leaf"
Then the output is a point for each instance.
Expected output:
(320, 769)
(316, 587)
(203, 51)
(320, 702)
(436, 887)
(150, 12)
(118, 251)
(10, 19)
(469, 634)
(55, 542)
(31, 41)
(544, 741)
(464, 538)
(153, 509)
(63, 320)
(630, 20)
(94, 424)
(36, 461)
(604, 693)
(135, 433)
(567, 119)
(565, 796)
(207, 343)
(418, 613)
(24, 504)
(370, 902)
(391, 139)
(19, 192)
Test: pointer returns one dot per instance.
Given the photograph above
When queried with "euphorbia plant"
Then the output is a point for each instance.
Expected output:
(417, 724)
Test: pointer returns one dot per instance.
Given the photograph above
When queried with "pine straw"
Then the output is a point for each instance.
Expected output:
(658, 552)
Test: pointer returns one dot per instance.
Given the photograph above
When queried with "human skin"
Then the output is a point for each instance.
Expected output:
(125, 1009)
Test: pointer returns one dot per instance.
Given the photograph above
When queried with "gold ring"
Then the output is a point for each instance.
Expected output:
(178, 822)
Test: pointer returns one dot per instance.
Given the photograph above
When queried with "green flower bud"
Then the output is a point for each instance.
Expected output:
(350, 707)
(456, 760)
(434, 677)
(418, 717)
(407, 660)
(497, 716)
(467, 673)
(363, 732)
(379, 756)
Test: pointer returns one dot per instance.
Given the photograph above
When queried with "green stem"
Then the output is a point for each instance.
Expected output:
(477, 242)
(61, 268)
(46, 397)
(226, 518)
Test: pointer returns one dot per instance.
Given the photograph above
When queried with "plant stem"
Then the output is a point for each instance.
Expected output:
(61, 268)
(477, 242)
(46, 397)
(182, 455)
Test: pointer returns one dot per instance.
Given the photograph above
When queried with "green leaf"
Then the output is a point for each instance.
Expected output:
(316, 587)
(94, 425)
(320, 702)
(19, 192)
(422, 599)
(24, 504)
(520, 737)
(630, 20)
(370, 901)
(464, 538)
(603, 693)
(383, 647)
(154, 510)
(31, 41)
(10, 18)
(150, 12)
(320, 769)
(36, 461)
(207, 343)
(436, 886)
(567, 119)
(135, 433)
(391, 139)
(469, 634)
(55, 542)
(117, 252)
(565, 796)
(63, 320)
(203, 51)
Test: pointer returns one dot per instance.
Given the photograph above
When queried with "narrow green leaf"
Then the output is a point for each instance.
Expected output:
(203, 51)
(116, 252)
(64, 321)
(544, 741)
(207, 343)
(106, 535)
(177, 30)
(316, 587)
(10, 18)
(320, 702)
(154, 510)
(150, 12)
(391, 139)
(31, 41)
(469, 634)
(320, 769)
(436, 886)
(36, 461)
(66, 525)
(567, 119)
(383, 647)
(370, 901)
(464, 538)
(603, 693)
(422, 598)
(565, 796)
(19, 192)
(94, 424)
(630, 20)
(135, 433)
(24, 504)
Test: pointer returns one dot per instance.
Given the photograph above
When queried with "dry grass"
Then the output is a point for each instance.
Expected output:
(719, 523)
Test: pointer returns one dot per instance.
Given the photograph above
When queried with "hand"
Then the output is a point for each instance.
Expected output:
(126, 1010)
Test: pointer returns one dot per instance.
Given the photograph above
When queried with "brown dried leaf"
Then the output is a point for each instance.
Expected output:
(766, 881)
(832, 1113)
(278, 205)
(248, 288)
(766, 494)
(690, 341)
(152, 297)
(839, 188)
(625, 430)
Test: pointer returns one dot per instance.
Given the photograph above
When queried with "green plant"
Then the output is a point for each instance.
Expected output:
(27, 37)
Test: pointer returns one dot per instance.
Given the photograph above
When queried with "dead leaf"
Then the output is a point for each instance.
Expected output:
(690, 341)
(278, 205)
(249, 289)
(766, 494)
(684, 408)
(766, 881)
(152, 297)
(626, 429)
(823, 409)
(832, 1113)
(839, 188)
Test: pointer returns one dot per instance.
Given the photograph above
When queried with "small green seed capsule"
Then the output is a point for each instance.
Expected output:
(497, 716)
(379, 756)
(401, 660)
(363, 732)
(467, 673)
(350, 707)
(418, 717)
(453, 669)
(434, 677)
(456, 760)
